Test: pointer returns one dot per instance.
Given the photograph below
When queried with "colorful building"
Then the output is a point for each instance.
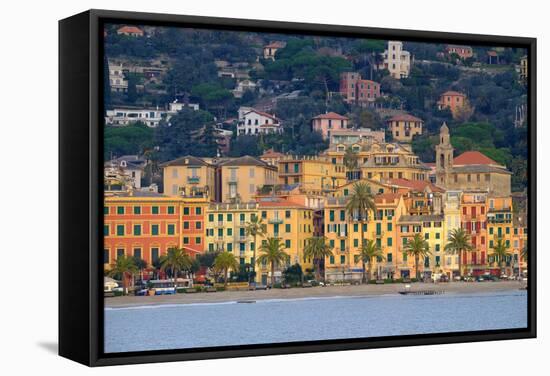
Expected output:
(354, 89)
(474, 222)
(189, 176)
(146, 225)
(404, 127)
(312, 174)
(271, 49)
(240, 178)
(464, 52)
(452, 100)
(326, 123)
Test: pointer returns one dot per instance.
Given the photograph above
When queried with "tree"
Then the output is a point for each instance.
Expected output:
(501, 253)
(255, 227)
(525, 252)
(361, 201)
(272, 253)
(226, 261)
(176, 260)
(417, 247)
(367, 253)
(141, 264)
(124, 267)
(457, 243)
(351, 162)
(317, 249)
(293, 274)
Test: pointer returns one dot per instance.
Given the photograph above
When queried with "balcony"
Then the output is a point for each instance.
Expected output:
(193, 179)
(275, 221)
(232, 180)
(218, 224)
(241, 238)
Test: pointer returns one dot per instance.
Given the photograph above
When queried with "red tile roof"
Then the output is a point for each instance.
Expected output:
(473, 158)
(453, 93)
(418, 185)
(405, 117)
(275, 45)
(280, 204)
(271, 153)
(273, 117)
(130, 30)
(388, 197)
(332, 116)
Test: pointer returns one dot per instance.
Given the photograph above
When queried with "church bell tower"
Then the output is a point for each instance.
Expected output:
(443, 158)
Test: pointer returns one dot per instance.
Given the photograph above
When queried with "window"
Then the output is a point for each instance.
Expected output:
(105, 256)
(210, 217)
(137, 230)
(229, 232)
(120, 230)
(106, 230)
(198, 225)
(155, 210)
(427, 236)
(390, 227)
(119, 252)
(287, 243)
(185, 211)
(171, 210)
(185, 240)
(105, 210)
(287, 227)
(210, 247)
(390, 242)
(137, 253)
(355, 227)
(342, 259)
(171, 229)
(120, 210)
(437, 235)
(137, 210)
(154, 229)
(198, 211)
(342, 215)
(331, 259)
(229, 217)
(186, 225)
(331, 215)
(389, 258)
(356, 242)
(264, 214)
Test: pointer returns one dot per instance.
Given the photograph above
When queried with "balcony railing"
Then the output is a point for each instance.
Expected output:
(275, 221)
(193, 179)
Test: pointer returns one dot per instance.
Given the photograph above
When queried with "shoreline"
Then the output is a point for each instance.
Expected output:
(312, 292)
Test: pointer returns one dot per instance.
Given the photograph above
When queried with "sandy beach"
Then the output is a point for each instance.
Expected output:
(313, 292)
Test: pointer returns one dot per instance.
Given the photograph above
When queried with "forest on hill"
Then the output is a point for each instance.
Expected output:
(311, 66)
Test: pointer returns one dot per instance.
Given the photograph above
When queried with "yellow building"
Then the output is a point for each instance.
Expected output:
(500, 226)
(313, 174)
(451, 211)
(382, 160)
(293, 224)
(225, 229)
(404, 127)
(189, 176)
(240, 178)
(344, 235)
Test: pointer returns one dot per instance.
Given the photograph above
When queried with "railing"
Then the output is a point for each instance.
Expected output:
(275, 221)
(193, 179)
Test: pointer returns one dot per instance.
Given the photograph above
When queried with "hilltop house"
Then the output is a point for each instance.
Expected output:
(452, 100)
(325, 123)
(131, 31)
(271, 48)
(254, 122)
(404, 127)
(464, 52)
(354, 89)
(117, 82)
(396, 60)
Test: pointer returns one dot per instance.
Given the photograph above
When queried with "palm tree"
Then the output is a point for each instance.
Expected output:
(140, 264)
(361, 201)
(273, 253)
(226, 261)
(501, 252)
(351, 162)
(458, 242)
(255, 228)
(176, 259)
(318, 249)
(367, 253)
(417, 247)
(125, 266)
(524, 252)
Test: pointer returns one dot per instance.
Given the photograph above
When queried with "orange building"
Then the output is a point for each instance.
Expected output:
(147, 225)
(464, 52)
(452, 100)
(473, 218)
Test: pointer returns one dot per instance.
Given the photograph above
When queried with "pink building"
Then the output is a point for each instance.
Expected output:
(356, 90)
(325, 123)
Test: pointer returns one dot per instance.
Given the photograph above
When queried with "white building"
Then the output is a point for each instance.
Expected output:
(126, 116)
(116, 78)
(127, 170)
(243, 86)
(254, 122)
(178, 106)
(396, 60)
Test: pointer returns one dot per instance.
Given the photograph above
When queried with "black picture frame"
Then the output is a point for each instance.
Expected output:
(81, 188)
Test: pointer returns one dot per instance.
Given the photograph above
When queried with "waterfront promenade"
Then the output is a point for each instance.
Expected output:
(313, 292)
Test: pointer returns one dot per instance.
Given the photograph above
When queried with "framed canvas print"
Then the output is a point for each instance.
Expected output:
(239, 187)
